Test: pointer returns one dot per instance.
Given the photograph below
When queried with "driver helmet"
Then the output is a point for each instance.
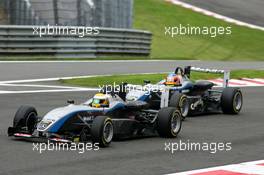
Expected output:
(100, 100)
(173, 80)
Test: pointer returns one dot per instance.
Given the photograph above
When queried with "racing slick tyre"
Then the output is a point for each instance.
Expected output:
(231, 100)
(25, 119)
(102, 131)
(169, 122)
(180, 101)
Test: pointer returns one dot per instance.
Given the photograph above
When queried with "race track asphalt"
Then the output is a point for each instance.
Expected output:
(36, 70)
(137, 156)
(243, 10)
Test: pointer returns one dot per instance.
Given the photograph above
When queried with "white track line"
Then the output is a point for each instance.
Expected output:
(94, 61)
(40, 86)
(254, 162)
(244, 82)
(12, 83)
(49, 91)
(246, 168)
(259, 79)
(215, 15)
(253, 81)
(45, 79)
(15, 83)
(73, 77)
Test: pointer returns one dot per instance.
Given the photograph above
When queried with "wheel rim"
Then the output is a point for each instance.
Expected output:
(237, 103)
(108, 131)
(175, 122)
(184, 108)
(30, 121)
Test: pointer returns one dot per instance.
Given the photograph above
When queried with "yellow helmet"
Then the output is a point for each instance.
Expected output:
(100, 100)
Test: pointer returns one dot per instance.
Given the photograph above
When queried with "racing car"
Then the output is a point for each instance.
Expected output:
(192, 98)
(99, 119)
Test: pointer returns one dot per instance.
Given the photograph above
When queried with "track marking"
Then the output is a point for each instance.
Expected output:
(48, 91)
(15, 83)
(73, 77)
(45, 79)
(259, 79)
(243, 82)
(215, 15)
(37, 85)
(95, 61)
(253, 81)
(231, 83)
(246, 168)
(54, 89)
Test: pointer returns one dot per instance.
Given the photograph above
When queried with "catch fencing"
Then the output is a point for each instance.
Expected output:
(101, 13)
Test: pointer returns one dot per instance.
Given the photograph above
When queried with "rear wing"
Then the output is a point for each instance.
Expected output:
(226, 78)
(187, 72)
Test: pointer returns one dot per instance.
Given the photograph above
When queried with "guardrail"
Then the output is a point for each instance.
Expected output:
(20, 41)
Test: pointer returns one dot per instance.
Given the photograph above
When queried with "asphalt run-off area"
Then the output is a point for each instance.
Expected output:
(133, 156)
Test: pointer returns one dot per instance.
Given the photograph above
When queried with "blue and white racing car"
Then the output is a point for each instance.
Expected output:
(192, 98)
(100, 119)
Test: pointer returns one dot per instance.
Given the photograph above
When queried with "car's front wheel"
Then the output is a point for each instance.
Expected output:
(169, 122)
(102, 131)
(25, 119)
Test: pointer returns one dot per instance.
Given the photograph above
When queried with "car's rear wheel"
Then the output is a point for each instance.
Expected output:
(180, 101)
(25, 119)
(169, 122)
(231, 100)
(102, 131)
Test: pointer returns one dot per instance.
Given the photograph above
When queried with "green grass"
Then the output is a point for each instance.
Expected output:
(154, 15)
(118, 79)
(154, 78)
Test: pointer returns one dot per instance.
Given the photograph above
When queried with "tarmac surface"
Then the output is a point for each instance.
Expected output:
(48, 69)
(136, 156)
(243, 10)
